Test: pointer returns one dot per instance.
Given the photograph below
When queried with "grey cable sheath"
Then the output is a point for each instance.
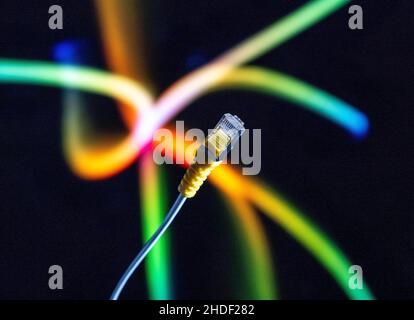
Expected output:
(148, 246)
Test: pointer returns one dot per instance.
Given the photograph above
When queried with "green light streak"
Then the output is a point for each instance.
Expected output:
(282, 30)
(153, 208)
(309, 235)
(297, 92)
(73, 77)
(254, 252)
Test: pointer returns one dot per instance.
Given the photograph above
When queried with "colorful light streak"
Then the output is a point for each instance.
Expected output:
(154, 207)
(297, 92)
(191, 86)
(123, 38)
(260, 279)
(87, 162)
(295, 223)
(95, 163)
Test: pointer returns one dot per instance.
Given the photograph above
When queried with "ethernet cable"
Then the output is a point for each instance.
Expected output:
(208, 157)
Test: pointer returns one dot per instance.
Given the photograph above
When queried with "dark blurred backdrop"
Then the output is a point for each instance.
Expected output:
(359, 192)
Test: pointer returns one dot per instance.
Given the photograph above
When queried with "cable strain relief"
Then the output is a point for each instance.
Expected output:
(194, 177)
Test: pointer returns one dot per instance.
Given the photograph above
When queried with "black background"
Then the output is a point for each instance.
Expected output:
(359, 192)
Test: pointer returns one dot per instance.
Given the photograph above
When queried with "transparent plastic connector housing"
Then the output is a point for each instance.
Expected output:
(224, 136)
